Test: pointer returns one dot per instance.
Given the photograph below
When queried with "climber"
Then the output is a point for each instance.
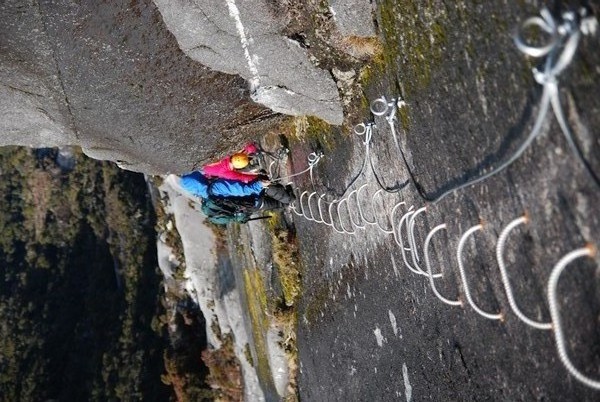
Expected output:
(235, 167)
(230, 200)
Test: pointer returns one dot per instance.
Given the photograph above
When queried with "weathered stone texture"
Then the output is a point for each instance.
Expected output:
(353, 17)
(243, 37)
(32, 103)
(110, 77)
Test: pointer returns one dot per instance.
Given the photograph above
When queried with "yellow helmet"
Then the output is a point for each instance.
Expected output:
(239, 160)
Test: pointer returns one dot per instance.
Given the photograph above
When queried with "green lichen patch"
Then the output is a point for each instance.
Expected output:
(286, 261)
(414, 39)
(256, 297)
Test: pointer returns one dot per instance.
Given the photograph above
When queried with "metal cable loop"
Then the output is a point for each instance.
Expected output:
(335, 202)
(405, 218)
(367, 130)
(385, 230)
(463, 275)
(349, 205)
(313, 159)
(560, 51)
(340, 203)
(500, 245)
(360, 208)
(559, 336)
(310, 207)
(547, 24)
(381, 107)
(430, 271)
(321, 211)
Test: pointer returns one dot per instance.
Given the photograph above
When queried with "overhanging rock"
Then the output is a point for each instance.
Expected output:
(243, 37)
(110, 77)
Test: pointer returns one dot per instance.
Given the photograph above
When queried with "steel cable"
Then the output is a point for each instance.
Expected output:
(350, 209)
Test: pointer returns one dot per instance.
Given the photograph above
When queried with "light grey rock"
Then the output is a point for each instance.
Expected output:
(33, 111)
(110, 77)
(353, 17)
(243, 37)
(30, 113)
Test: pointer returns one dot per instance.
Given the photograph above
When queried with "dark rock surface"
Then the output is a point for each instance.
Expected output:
(370, 329)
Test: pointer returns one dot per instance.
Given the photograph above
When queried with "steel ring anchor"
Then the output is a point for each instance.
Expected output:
(365, 129)
(314, 157)
(547, 24)
(360, 129)
(562, 44)
(380, 106)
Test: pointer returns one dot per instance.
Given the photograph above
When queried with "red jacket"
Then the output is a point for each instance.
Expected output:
(223, 169)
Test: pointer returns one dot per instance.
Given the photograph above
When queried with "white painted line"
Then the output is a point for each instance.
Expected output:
(252, 60)
(407, 386)
(393, 322)
(378, 336)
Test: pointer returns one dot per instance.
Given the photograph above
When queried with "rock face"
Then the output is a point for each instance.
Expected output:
(353, 17)
(243, 38)
(32, 101)
(471, 101)
(111, 78)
